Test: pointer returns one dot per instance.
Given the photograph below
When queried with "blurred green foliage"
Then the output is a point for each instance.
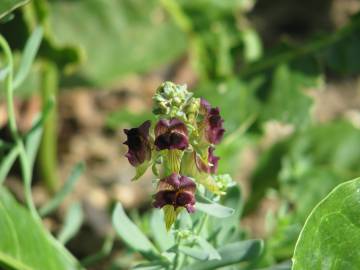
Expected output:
(97, 43)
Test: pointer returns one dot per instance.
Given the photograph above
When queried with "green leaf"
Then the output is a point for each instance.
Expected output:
(231, 254)
(73, 221)
(141, 169)
(214, 209)
(7, 6)
(129, 38)
(212, 253)
(331, 235)
(25, 244)
(131, 234)
(7, 163)
(162, 238)
(194, 252)
(28, 56)
(64, 191)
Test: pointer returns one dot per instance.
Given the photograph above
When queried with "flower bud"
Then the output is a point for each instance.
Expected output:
(170, 100)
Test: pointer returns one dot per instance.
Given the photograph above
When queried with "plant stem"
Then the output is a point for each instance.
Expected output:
(48, 147)
(25, 166)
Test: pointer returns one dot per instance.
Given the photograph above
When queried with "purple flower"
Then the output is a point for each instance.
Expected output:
(171, 134)
(138, 143)
(213, 123)
(176, 190)
(212, 165)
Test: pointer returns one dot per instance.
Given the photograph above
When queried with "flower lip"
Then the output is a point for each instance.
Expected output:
(176, 190)
(171, 134)
(138, 143)
(213, 123)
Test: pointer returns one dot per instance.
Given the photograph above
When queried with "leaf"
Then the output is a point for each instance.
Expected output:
(129, 39)
(141, 169)
(214, 209)
(7, 163)
(194, 252)
(231, 254)
(162, 238)
(73, 221)
(64, 191)
(212, 253)
(7, 6)
(25, 245)
(28, 56)
(331, 236)
(131, 234)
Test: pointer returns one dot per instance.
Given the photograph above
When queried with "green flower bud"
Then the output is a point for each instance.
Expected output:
(170, 100)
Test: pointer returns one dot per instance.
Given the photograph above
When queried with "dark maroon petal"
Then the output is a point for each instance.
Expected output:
(163, 198)
(161, 127)
(187, 184)
(183, 198)
(171, 134)
(171, 140)
(214, 160)
(138, 143)
(214, 130)
(173, 180)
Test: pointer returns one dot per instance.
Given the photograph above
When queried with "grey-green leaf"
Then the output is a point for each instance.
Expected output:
(215, 209)
(131, 234)
(72, 224)
(25, 244)
(64, 191)
(28, 56)
(330, 238)
(231, 254)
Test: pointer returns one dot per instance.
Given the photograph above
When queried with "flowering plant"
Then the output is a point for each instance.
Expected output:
(180, 148)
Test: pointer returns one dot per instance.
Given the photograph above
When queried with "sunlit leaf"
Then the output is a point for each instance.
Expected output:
(7, 6)
(25, 244)
(72, 224)
(331, 234)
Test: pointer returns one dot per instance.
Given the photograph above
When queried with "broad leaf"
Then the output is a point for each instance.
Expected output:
(330, 238)
(7, 6)
(128, 38)
(25, 245)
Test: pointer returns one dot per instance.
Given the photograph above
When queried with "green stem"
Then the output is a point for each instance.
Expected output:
(48, 147)
(25, 167)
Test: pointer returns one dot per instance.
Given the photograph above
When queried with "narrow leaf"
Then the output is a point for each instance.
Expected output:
(231, 254)
(131, 234)
(73, 221)
(162, 238)
(7, 163)
(65, 190)
(29, 53)
(213, 254)
(214, 209)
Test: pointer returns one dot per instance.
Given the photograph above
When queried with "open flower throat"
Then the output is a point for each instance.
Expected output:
(179, 147)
